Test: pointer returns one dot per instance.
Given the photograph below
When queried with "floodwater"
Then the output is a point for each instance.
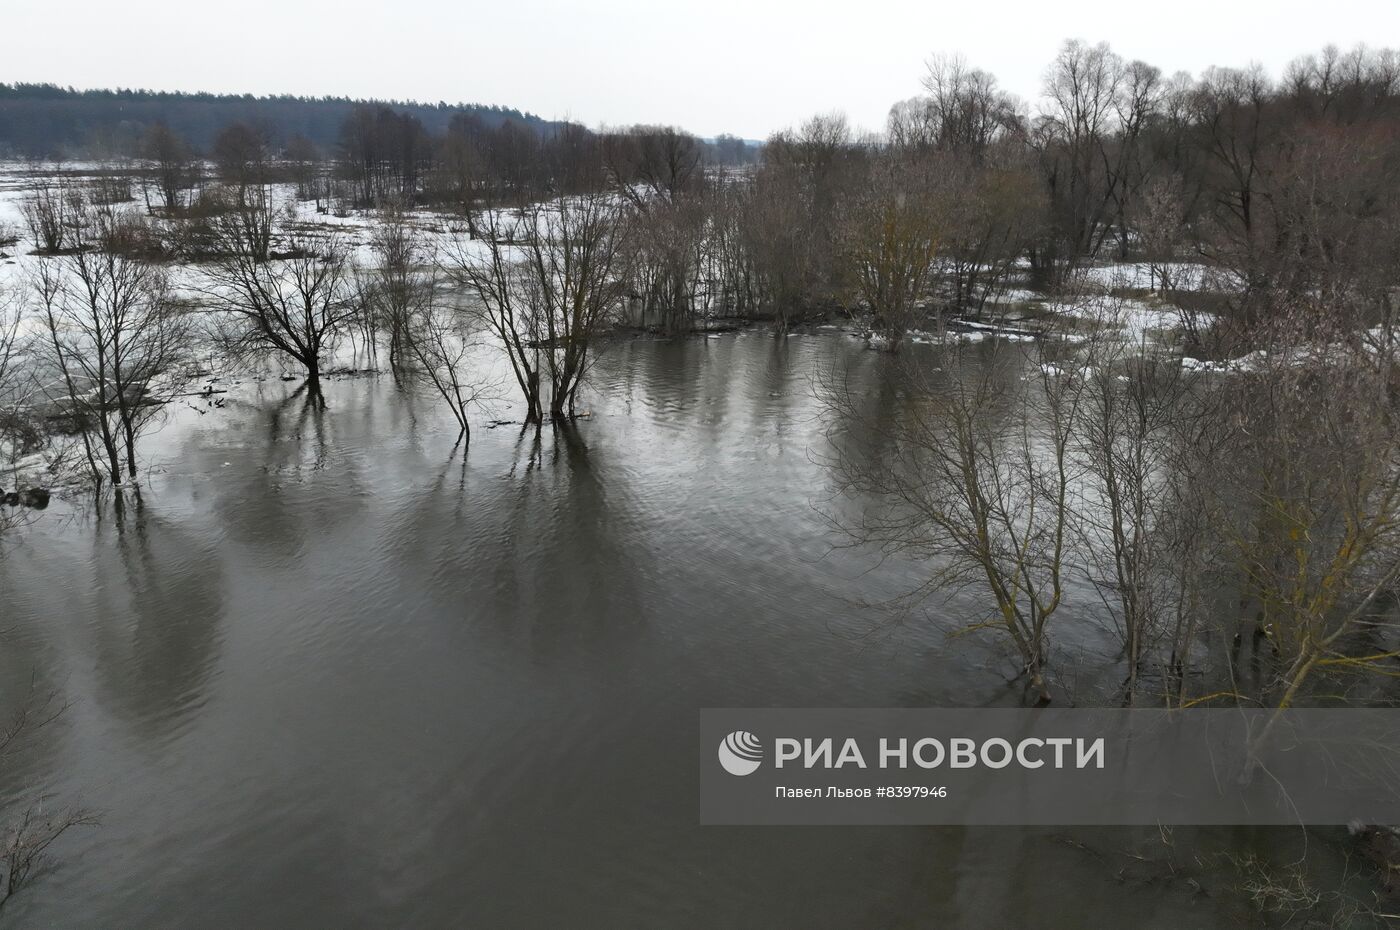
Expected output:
(333, 673)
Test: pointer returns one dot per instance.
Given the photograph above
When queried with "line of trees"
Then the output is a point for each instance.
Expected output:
(1237, 531)
(1238, 534)
(1281, 187)
(48, 121)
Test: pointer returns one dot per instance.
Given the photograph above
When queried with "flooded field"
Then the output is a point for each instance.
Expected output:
(334, 672)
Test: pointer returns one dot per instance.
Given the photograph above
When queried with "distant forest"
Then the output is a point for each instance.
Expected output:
(45, 120)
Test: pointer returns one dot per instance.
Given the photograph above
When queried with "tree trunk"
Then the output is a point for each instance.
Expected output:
(313, 379)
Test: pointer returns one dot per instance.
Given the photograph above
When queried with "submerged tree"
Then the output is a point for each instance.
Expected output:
(667, 254)
(401, 283)
(11, 348)
(1311, 508)
(490, 269)
(975, 476)
(894, 228)
(294, 306)
(19, 433)
(441, 344)
(430, 337)
(117, 337)
(1141, 508)
(549, 277)
(801, 190)
(25, 837)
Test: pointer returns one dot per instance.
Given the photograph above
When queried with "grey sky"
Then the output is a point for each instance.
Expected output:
(742, 66)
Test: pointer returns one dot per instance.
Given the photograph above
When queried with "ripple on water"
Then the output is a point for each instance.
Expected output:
(353, 677)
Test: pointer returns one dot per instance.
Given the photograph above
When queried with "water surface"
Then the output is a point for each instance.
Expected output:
(334, 673)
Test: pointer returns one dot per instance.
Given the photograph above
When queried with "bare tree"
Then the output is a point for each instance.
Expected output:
(975, 477)
(20, 431)
(972, 134)
(461, 172)
(1158, 217)
(1097, 106)
(652, 163)
(895, 227)
(778, 235)
(667, 253)
(491, 269)
(735, 279)
(402, 282)
(550, 276)
(1139, 100)
(25, 838)
(171, 165)
(243, 154)
(965, 110)
(1312, 507)
(249, 216)
(575, 264)
(305, 161)
(1137, 406)
(441, 342)
(295, 306)
(26, 841)
(117, 337)
(49, 214)
(11, 348)
(990, 224)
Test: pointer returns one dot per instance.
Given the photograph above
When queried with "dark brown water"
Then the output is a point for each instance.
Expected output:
(331, 673)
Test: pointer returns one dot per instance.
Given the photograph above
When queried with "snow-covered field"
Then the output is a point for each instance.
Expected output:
(1139, 317)
(1016, 311)
(1139, 320)
(1185, 276)
(353, 233)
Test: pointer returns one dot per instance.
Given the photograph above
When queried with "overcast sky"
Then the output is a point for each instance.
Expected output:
(741, 66)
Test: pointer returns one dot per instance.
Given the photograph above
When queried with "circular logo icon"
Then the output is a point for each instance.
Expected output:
(740, 753)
